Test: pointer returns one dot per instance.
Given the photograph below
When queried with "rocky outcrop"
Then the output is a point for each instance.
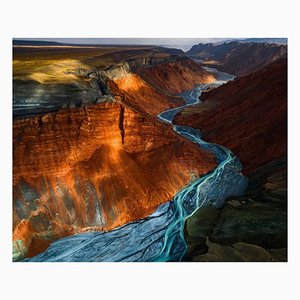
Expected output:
(151, 61)
(238, 58)
(249, 228)
(43, 93)
(248, 116)
(96, 167)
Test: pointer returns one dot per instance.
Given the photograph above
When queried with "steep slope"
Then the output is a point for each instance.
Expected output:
(88, 150)
(150, 89)
(238, 58)
(132, 90)
(175, 77)
(248, 116)
(96, 167)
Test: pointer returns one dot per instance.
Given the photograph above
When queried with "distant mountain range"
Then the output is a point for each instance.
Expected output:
(238, 57)
(185, 45)
(266, 40)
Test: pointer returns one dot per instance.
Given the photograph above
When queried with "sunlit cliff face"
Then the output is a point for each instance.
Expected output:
(140, 95)
(98, 167)
(130, 83)
(176, 77)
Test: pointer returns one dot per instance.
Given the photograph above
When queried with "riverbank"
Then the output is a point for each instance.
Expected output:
(160, 236)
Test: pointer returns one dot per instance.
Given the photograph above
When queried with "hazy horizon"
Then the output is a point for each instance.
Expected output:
(178, 43)
(181, 43)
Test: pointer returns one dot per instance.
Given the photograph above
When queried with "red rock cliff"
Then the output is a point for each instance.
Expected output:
(150, 89)
(248, 116)
(96, 167)
(99, 166)
(176, 77)
(138, 94)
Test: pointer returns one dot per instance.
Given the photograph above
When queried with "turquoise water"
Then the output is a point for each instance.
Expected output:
(160, 236)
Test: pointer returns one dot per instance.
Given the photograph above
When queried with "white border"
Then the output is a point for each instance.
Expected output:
(205, 19)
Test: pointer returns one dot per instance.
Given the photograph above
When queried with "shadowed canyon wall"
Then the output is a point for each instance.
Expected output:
(248, 116)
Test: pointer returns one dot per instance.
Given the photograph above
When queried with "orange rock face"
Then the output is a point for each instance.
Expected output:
(248, 116)
(150, 90)
(95, 168)
(141, 96)
(176, 77)
(104, 165)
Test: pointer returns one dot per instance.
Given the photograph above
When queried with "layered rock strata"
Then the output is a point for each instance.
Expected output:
(98, 167)
(176, 77)
(88, 151)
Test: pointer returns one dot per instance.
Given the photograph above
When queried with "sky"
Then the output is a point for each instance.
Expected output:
(181, 43)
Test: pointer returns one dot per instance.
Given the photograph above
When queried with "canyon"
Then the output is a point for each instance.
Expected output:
(99, 165)
(160, 236)
(261, 99)
(138, 153)
(249, 116)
